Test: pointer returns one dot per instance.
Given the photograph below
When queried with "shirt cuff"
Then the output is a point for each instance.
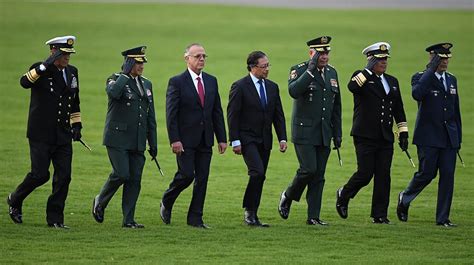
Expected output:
(235, 143)
(282, 141)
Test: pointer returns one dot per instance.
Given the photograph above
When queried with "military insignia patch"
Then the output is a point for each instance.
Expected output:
(148, 92)
(383, 47)
(452, 91)
(143, 49)
(74, 82)
(70, 41)
(334, 82)
(293, 74)
(446, 45)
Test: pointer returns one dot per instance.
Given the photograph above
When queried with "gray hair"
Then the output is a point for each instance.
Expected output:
(186, 51)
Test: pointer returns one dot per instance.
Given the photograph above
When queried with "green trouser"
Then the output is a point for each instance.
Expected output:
(127, 170)
(312, 161)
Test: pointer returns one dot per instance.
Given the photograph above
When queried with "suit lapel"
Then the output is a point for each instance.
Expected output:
(378, 88)
(207, 90)
(190, 83)
(267, 93)
(253, 91)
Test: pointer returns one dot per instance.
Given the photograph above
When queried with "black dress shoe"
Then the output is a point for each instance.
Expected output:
(315, 221)
(402, 209)
(447, 223)
(97, 210)
(133, 225)
(201, 225)
(165, 214)
(381, 220)
(58, 226)
(249, 218)
(342, 205)
(284, 206)
(15, 213)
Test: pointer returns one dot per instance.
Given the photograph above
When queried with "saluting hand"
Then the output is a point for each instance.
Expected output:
(313, 63)
(371, 62)
(434, 63)
(128, 65)
(50, 60)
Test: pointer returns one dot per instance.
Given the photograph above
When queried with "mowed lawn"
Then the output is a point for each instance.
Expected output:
(228, 34)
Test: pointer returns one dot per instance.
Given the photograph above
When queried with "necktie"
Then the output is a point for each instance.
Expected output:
(321, 72)
(263, 98)
(200, 91)
(441, 79)
(139, 86)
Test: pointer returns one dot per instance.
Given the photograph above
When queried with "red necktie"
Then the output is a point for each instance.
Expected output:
(200, 91)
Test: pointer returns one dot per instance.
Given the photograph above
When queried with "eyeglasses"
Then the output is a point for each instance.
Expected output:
(199, 56)
(265, 66)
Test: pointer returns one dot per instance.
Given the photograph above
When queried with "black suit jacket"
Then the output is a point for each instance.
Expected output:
(374, 110)
(186, 119)
(248, 120)
(54, 104)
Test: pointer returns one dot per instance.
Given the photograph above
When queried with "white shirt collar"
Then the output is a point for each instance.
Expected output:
(254, 79)
(440, 75)
(194, 75)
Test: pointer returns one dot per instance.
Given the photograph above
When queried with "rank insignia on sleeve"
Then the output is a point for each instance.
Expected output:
(334, 82)
(293, 74)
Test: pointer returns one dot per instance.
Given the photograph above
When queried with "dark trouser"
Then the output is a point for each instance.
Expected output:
(374, 159)
(430, 161)
(193, 164)
(256, 158)
(41, 155)
(127, 170)
(312, 161)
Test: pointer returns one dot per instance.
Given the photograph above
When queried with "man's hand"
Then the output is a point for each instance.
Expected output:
(403, 141)
(237, 149)
(283, 146)
(313, 63)
(434, 63)
(337, 142)
(371, 62)
(76, 133)
(128, 65)
(49, 61)
(153, 152)
(177, 147)
(221, 147)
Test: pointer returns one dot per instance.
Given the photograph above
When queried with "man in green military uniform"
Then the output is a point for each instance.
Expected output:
(316, 119)
(129, 124)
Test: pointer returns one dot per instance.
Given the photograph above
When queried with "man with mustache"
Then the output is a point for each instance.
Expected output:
(438, 133)
(377, 102)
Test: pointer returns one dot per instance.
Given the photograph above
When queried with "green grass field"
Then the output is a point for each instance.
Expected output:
(228, 34)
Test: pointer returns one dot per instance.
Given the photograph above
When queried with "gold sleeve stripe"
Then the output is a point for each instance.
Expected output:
(75, 117)
(32, 75)
(402, 126)
(358, 80)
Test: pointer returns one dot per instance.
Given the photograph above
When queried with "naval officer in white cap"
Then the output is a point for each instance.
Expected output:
(377, 104)
(54, 120)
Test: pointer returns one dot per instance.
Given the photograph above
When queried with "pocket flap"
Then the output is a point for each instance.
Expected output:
(117, 126)
(302, 121)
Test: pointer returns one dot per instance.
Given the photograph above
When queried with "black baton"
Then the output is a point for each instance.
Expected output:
(460, 159)
(339, 156)
(158, 165)
(409, 158)
(85, 145)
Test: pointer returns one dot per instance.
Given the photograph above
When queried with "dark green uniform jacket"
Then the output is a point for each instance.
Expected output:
(130, 118)
(316, 116)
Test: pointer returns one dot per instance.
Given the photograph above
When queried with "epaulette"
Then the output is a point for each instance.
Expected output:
(450, 73)
(331, 66)
(421, 72)
(116, 74)
(301, 64)
(145, 78)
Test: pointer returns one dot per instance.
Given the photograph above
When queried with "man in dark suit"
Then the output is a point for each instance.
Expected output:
(316, 119)
(377, 102)
(438, 133)
(54, 120)
(193, 116)
(254, 105)
(129, 124)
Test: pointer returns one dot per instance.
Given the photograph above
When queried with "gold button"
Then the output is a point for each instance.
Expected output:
(301, 123)
(128, 103)
(60, 104)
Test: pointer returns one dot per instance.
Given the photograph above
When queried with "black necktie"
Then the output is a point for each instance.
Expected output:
(263, 98)
(441, 79)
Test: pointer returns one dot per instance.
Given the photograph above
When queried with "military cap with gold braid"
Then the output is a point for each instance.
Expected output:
(379, 50)
(137, 53)
(442, 49)
(320, 44)
(64, 44)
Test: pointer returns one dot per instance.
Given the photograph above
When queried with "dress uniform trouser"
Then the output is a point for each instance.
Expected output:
(256, 158)
(374, 159)
(42, 154)
(432, 159)
(127, 168)
(193, 165)
(312, 160)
